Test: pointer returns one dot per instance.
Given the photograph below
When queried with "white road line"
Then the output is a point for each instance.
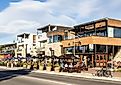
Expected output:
(46, 80)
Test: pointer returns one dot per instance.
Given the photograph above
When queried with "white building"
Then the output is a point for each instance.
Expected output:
(26, 45)
(49, 40)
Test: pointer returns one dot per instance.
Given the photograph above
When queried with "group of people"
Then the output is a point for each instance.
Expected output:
(66, 65)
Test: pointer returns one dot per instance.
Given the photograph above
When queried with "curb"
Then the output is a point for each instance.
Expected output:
(79, 75)
(82, 75)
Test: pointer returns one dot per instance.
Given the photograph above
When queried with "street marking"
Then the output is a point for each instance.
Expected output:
(46, 80)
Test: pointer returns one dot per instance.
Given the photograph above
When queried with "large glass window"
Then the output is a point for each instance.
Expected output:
(80, 49)
(69, 50)
(101, 33)
(55, 38)
(66, 36)
(59, 38)
(117, 32)
(101, 48)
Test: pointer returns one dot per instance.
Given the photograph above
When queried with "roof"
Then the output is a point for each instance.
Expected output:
(52, 26)
(20, 35)
(95, 21)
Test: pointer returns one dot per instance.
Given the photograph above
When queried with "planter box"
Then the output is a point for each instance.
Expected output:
(41, 68)
(8, 64)
(12, 65)
(35, 67)
(24, 66)
(57, 69)
(28, 66)
(48, 68)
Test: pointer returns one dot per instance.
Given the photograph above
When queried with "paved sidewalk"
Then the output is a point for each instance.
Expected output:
(82, 74)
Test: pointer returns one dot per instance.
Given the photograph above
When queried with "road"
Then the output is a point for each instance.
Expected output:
(26, 77)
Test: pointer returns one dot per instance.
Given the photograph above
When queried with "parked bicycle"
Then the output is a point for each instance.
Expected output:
(103, 72)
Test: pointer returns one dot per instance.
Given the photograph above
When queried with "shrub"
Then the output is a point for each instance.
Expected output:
(57, 65)
(1, 63)
(49, 64)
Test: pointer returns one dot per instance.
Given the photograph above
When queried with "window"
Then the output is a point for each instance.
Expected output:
(101, 32)
(101, 48)
(66, 36)
(117, 32)
(57, 38)
(50, 39)
(69, 50)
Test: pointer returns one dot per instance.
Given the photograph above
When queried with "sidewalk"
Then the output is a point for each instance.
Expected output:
(82, 74)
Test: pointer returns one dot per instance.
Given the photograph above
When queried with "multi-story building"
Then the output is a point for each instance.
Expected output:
(49, 41)
(26, 45)
(96, 42)
(7, 50)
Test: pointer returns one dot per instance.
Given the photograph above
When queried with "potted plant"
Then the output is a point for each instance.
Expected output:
(48, 67)
(41, 66)
(24, 65)
(35, 66)
(29, 65)
(57, 67)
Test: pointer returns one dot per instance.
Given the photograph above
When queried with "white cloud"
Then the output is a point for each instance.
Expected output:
(59, 11)
(27, 15)
(18, 26)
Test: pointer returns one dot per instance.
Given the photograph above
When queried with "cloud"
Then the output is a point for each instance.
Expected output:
(28, 15)
(51, 11)
(18, 26)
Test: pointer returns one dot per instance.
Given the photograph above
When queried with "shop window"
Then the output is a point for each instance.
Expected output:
(101, 57)
(97, 57)
(101, 48)
(117, 32)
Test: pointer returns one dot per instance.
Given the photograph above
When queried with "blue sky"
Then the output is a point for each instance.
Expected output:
(18, 16)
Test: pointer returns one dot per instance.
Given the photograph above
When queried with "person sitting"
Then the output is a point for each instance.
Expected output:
(82, 64)
(71, 65)
(66, 65)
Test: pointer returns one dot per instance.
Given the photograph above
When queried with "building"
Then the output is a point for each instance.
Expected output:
(96, 42)
(7, 50)
(26, 45)
(49, 40)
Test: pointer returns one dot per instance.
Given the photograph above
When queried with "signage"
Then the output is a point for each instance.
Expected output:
(91, 47)
(110, 32)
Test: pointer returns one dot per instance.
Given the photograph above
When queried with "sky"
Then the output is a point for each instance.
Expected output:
(19, 16)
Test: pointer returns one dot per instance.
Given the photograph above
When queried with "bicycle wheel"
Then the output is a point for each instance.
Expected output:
(107, 73)
(99, 73)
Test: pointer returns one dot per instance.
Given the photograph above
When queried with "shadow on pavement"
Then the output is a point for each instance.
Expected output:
(8, 74)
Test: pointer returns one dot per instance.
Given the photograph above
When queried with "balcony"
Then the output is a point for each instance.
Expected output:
(41, 49)
(42, 37)
(91, 40)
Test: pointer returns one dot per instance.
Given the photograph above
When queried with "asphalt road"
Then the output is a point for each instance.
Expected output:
(25, 77)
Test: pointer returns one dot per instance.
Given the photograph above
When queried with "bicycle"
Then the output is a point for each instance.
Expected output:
(104, 72)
